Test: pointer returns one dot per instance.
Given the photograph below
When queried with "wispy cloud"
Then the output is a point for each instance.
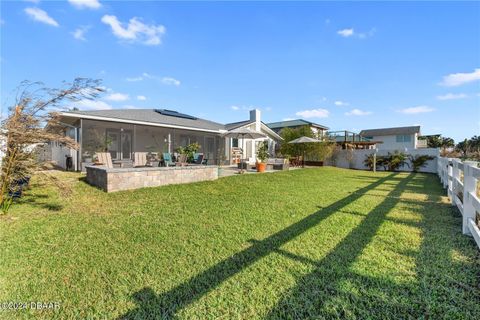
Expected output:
(458, 79)
(129, 106)
(134, 79)
(357, 112)
(93, 105)
(170, 81)
(350, 32)
(452, 96)
(79, 33)
(346, 32)
(117, 97)
(135, 31)
(141, 98)
(314, 113)
(341, 103)
(235, 108)
(41, 16)
(416, 110)
(85, 4)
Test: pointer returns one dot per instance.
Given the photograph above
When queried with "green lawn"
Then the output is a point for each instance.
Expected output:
(314, 243)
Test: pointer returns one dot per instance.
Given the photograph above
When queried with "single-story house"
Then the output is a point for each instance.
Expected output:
(398, 138)
(122, 132)
(316, 128)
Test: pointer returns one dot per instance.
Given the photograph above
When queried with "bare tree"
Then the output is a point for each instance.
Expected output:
(34, 120)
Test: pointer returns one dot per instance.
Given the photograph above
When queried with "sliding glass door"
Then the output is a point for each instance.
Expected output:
(119, 144)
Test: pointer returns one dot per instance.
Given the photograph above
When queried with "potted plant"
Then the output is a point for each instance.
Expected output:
(262, 156)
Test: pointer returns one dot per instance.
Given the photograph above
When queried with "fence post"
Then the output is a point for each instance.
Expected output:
(445, 173)
(450, 178)
(455, 174)
(469, 185)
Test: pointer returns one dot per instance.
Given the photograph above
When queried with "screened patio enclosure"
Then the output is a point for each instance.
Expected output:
(121, 140)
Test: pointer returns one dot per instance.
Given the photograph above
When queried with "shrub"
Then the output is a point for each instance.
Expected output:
(393, 161)
(419, 161)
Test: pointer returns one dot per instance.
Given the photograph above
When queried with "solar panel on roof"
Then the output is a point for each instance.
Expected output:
(173, 113)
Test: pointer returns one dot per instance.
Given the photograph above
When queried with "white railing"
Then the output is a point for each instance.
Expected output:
(460, 180)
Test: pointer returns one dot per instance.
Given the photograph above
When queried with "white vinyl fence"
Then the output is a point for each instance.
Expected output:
(460, 180)
(354, 159)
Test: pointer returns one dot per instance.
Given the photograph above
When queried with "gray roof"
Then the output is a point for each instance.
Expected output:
(390, 131)
(234, 125)
(294, 123)
(150, 115)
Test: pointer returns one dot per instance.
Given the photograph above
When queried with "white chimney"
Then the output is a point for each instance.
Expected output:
(255, 116)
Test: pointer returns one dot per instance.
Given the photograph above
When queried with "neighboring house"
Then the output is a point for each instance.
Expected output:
(294, 124)
(399, 138)
(122, 132)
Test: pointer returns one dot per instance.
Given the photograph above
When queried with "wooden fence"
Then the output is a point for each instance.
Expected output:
(460, 180)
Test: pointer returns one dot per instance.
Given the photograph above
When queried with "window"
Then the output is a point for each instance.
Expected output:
(234, 143)
(404, 138)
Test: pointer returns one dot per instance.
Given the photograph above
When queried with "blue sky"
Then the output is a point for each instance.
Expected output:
(345, 65)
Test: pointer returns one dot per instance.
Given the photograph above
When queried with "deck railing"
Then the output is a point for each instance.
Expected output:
(460, 179)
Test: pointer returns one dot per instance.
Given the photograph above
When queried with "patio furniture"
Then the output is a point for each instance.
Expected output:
(140, 159)
(304, 140)
(278, 164)
(167, 160)
(244, 133)
(123, 163)
(199, 158)
(105, 158)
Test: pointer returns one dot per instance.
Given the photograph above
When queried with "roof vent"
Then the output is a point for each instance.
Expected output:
(172, 113)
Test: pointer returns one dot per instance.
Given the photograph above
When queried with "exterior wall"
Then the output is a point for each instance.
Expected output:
(111, 180)
(58, 154)
(353, 159)
(390, 143)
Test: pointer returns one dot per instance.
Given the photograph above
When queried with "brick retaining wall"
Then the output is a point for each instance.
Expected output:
(118, 179)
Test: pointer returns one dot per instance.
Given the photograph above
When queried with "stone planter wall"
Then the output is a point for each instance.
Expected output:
(118, 179)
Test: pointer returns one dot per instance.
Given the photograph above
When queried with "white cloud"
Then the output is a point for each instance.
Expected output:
(41, 16)
(79, 33)
(136, 31)
(452, 96)
(235, 108)
(314, 113)
(415, 110)
(141, 98)
(346, 32)
(352, 33)
(89, 4)
(117, 97)
(341, 103)
(93, 105)
(457, 79)
(170, 81)
(128, 106)
(357, 112)
(134, 79)
(288, 119)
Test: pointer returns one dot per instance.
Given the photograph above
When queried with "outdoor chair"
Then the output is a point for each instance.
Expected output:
(140, 159)
(105, 158)
(167, 160)
(199, 158)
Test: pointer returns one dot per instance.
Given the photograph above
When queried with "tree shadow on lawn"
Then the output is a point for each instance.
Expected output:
(442, 288)
(166, 305)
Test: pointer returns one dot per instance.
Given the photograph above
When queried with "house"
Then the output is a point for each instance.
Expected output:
(294, 124)
(398, 138)
(122, 132)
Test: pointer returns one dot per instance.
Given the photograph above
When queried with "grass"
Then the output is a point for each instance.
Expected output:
(313, 243)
